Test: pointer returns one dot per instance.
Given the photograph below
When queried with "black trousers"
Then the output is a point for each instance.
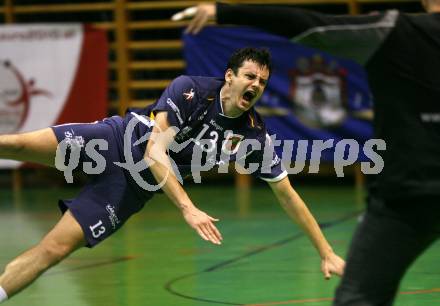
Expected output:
(390, 237)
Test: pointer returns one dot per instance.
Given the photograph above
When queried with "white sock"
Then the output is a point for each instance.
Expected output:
(3, 295)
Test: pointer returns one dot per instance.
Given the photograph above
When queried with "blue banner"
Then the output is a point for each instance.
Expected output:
(310, 96)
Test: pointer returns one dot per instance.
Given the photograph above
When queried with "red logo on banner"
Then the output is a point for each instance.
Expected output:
(15, 97)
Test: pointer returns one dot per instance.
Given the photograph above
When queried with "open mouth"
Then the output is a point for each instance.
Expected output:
(249, 95)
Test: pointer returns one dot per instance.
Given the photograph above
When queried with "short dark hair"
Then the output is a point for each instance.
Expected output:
(259, 56)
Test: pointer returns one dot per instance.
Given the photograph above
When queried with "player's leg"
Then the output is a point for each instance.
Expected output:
(62, 240)
(39, 147)
(381, 251)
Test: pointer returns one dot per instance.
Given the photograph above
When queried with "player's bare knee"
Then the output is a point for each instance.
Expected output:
(55, 251)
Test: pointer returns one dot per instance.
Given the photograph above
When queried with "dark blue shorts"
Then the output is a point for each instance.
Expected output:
(111, 197)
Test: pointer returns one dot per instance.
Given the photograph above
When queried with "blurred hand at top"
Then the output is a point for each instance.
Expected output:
(198, 16)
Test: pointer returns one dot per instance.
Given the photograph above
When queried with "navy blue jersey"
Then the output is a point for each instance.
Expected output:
(206, 137)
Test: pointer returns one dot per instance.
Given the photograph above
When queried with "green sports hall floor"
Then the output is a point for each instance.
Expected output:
(156, 259)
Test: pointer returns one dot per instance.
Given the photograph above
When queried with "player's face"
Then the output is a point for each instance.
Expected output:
(247, 86)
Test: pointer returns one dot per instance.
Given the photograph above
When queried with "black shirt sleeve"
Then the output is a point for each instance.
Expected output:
(355, 37)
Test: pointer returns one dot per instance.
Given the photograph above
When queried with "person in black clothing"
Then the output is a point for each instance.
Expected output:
(401, 55)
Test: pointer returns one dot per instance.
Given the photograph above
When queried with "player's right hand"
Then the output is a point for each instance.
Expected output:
(203, 224)
(199, 16)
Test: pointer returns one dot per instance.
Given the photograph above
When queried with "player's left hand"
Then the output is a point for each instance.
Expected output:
(332, 264)
(203, 224)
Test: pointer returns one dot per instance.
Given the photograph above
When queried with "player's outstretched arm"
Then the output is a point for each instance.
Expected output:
(362, 35)
(281, 20)
(160, 166)
(298, 211)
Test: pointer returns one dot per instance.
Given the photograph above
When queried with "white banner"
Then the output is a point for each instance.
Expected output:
(38, 64)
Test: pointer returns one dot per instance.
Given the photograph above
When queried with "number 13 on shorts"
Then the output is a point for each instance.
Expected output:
(97, 230)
